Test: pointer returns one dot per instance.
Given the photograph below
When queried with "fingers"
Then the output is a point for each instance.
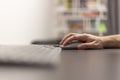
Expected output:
(68, 40)
(92, 41)
(90, 45)
(67, 36)
(73, 36)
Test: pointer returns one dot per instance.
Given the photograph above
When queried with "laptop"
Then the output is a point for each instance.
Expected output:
(30, 54)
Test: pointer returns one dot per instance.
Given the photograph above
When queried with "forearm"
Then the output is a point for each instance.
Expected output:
(111, 41)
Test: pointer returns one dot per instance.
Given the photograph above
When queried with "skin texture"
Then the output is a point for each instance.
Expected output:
(91, 41)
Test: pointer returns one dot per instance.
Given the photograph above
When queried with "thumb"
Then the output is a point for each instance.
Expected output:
(87, 45)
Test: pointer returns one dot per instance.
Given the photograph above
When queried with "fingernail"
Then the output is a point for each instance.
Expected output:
(60, 42)
(61, 45)
(64, 44)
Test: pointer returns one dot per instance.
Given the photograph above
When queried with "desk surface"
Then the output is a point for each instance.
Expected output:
(75, 65)
(91, 64)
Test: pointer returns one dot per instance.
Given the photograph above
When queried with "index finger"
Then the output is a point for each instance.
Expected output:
(74, 37)
(67, 36)
(68, 40)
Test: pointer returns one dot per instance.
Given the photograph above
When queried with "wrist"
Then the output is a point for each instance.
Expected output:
(104, 41)
(109, 41)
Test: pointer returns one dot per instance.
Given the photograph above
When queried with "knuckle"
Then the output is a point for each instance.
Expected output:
(90, 46)
(97, 45)
(74, 36)
(71, 33)
(86, 35)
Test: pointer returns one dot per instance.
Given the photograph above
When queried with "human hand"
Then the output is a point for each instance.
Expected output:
(91, 41)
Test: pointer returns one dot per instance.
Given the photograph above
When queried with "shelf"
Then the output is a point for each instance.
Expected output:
(79, 10)
(83, 15)
(83, 18)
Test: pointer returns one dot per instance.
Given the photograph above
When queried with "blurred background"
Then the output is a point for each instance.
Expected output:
(26, 21)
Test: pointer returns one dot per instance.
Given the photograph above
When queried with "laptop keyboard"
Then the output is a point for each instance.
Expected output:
(30, 54)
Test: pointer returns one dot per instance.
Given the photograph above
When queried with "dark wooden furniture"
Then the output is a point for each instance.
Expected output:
(75, 65)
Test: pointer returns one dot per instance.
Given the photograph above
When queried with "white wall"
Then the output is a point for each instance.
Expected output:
(24, 20)
(119, 14)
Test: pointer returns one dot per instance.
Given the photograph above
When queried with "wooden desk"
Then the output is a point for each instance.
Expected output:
(75, 65)
(91, 64)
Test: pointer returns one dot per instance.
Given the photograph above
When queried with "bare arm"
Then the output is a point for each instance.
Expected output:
(111, 41)
(92, 41)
